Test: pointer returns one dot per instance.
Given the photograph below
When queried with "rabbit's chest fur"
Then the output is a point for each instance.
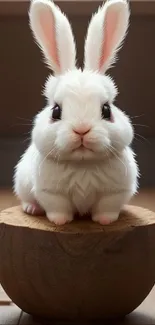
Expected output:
(83, 183)
(80, 184)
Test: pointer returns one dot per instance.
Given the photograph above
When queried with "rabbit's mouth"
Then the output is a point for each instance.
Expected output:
(82, 148)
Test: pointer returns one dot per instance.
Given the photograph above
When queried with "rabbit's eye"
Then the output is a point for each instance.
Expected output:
(56, 112)
(106, 112)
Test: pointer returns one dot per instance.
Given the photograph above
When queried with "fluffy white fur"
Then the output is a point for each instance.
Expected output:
(106, 33)
(55, 174)
(42, 16)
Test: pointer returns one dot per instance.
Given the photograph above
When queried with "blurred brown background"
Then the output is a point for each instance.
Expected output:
(23, 75)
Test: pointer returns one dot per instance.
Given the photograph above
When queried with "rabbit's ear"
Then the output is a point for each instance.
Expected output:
(53, 33)
(106, 32)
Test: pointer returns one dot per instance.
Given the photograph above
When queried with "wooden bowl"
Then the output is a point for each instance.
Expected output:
(81, 270)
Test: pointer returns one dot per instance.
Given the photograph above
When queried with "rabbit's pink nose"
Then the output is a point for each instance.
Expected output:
(82, 130)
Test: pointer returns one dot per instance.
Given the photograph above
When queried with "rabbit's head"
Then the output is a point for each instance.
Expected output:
(80, 120)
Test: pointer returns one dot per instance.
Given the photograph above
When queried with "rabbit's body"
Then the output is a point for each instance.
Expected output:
(79, 159)
(83, 183)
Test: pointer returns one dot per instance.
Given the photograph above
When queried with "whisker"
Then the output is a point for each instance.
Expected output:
(23, 118)
(135, 138)
(136, 116)
(48, 154)
(143, 125)
(27, 139)
(114, 151)
(13, 125)
(51, 152)
(143, 138)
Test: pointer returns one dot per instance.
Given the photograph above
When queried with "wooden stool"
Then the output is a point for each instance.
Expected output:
(81, 270)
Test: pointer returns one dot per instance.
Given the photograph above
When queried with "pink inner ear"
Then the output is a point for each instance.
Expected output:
(110, 23)
(47, 22)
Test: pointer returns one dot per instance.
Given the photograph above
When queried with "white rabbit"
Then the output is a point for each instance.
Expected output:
(79, 159)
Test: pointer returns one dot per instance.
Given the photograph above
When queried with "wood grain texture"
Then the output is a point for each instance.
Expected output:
(81, 271)
(7, 199)
(130, 217)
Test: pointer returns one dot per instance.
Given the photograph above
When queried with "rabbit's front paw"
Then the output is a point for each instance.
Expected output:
(105, 218)
(59, 218)
(33, 209)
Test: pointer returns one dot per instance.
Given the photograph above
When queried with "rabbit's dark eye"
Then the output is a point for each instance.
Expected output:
(106, 112)
(56, 112)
